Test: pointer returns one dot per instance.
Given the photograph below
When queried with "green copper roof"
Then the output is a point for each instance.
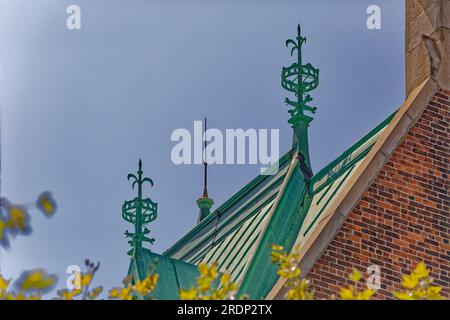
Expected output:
(283, 208)
(229, 218)
(239, 233)
(173, 274)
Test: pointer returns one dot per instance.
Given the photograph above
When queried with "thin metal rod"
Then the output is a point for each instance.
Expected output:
(205, 164)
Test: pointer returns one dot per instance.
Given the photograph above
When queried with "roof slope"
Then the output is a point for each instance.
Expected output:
(301, 205)
(282, 209)
(229, 235)
(328, 184)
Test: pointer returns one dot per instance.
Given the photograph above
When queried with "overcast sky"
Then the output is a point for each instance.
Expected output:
(80, 107)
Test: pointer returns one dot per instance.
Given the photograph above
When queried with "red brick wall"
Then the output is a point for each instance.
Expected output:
(404, 216)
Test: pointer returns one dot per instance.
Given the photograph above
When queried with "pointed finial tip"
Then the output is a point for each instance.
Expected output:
(299, 30)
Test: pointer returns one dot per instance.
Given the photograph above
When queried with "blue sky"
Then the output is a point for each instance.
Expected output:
(80, 107)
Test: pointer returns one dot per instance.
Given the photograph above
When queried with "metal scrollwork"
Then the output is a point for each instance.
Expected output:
(139, 212)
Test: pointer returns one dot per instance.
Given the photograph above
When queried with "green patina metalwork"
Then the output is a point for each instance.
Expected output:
(282, 229)
(245, 192)
(176, 266)
(299, 79)
(139, 212)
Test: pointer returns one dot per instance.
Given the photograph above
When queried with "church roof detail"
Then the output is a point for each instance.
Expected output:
(284, 209)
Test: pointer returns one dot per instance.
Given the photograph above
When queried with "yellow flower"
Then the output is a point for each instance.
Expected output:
(208, 271)
(46, 204)
(276, 256)
(94, 293)
(351, 293)
(277, 248)
(68, 294)
(207, 276)
(421, 271)
(205, 289)
(418, 285)
(365, 295)
(2, 229)
(433, 293)
(190, 294)
(410, 281)
(300, 291)
(403, 295)
(141, 287)
(18, 219)
(36, 280)
(225, 280)
(86, 279)
(121, 293)
(347, 294)
(3, 283)
(355, 275)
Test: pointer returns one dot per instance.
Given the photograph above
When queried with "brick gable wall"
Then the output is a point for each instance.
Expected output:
(403, 218)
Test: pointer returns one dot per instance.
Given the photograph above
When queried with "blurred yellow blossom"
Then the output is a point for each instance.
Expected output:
(352, 293)
(355, 275)
(2, 229)
(19, 219)
(15, 219)
(147, 285)
(46, 204)
(205, 289)
(3, 286)
(36, 280)
(125, 293)
(298, 288)
(142, 288)
(418, 285)
(94, 293)
(66, 294)
(190, 294)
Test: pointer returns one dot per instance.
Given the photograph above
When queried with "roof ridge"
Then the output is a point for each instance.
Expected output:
(351, 149)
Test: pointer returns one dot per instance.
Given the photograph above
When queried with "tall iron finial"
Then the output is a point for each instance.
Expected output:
(139, 212)
(300, 79)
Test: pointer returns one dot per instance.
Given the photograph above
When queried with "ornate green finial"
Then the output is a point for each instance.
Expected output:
(139, 212)
(300, 79)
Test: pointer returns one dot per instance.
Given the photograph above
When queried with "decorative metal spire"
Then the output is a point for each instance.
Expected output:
(205, 164)
(300, 79)
(139, 212)
(204, 202)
